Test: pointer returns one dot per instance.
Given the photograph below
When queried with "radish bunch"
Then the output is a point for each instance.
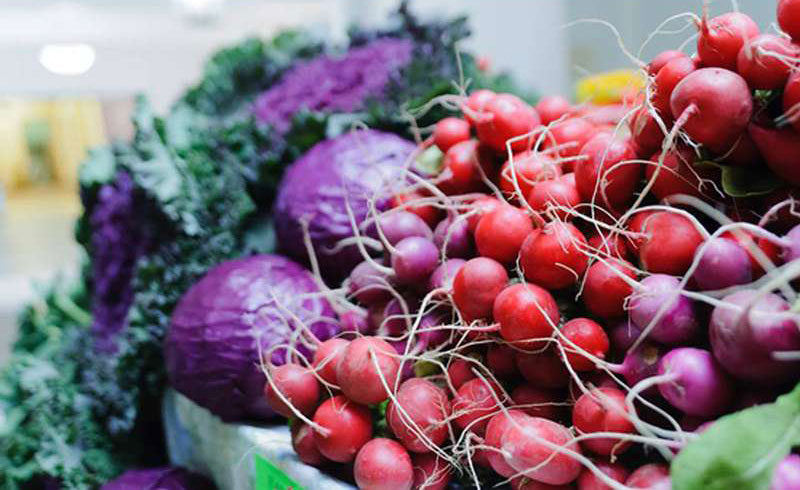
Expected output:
(571, 298)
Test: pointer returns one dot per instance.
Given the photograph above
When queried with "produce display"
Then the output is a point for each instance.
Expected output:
(563, 296)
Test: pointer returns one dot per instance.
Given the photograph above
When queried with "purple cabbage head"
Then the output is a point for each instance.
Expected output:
(351, 169)
(167, 478)
(239, 310)
(333, 84)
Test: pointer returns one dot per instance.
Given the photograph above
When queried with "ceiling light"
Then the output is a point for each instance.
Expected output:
(67, 58)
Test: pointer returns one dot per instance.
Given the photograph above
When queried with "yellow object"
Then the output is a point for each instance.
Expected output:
(609, 88)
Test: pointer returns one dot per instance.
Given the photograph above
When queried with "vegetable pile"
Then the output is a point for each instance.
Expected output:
(568, 297)
(80, 399)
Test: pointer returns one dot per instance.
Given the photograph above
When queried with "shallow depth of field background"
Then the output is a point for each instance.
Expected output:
(71, 67)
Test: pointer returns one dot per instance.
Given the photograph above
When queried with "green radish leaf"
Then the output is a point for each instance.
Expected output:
(740, 450)
(744, 182)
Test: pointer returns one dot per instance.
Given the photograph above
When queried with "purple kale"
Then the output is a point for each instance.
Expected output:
(333, 84)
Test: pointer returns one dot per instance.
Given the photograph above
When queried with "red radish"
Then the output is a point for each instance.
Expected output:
(780, 148)
(789, 17)
(607, 245)
(743, 153)
(602, 410)
(650, 477)
(570, 135)
(444, 275)
(676, 176)
(450, 131)
(504, 117)
(414, 259)
(431, 472)
(538, 402)
(543, 369)
(475, 104)
(554, 258)
(500, 360)
(722, 37)
(481, 207)
(662, 59)
(557, 195)
(356, 373)
(527, 315)
(637, 226)
(588, 336)
(349, 427)
(791, 100)
(588, 480)
(495, 430)
(462, 167)
(383, 464)
(528, 168)
(525, 483)
(552, 107)
(665, 82)
(427, 408)
(399, 225)
(700, 386)
(297, 384)
(500, 233)
(603, 172)
(327, 357)
(721, 263)
(477, 284)
(605, 291)
(719, 106)
(304, 444)
(766, 61)
(368, 284)
(474, 404)
(452, 236)
(669, 244)
(526, 453)
(646, 132)
(410, 202)
(459, 372)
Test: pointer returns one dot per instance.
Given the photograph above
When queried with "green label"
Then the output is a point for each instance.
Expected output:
(269, 477)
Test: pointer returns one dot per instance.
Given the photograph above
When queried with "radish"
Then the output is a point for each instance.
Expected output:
(426, 409)
(557, 196)
(570, 135)
(698, 385)
(645, 131)
(603, 174)
(552, 107)
(640, 363)
(792, 250)
(602, 410)
(495, 430)
(662, 59)
(525, 450)
(789, 17)
(368, 284)
(504, 117)
(787, 474)
(780, 148)
(658, 296)
(669, 244)
(676, 175)
(399, 225)
(481, 207)
(538, 402)
(475, 104)
(500, 361)
(746, 329)
(348, 426)
(297, 384)
(356, 373)
(430, 472)
(623, 335)
(327, 357)
(665, 82)
(414, 259)
(304, 444)
(650, 477)
(444, 275)
(459, 372)
(589, 481)
(722, 263)
(463, 166)
(383, 464)
(449, 132)
(722, 37)
(605, 291)
(526, 314)
(766, 61)
(453, 238)
(715, 104)
(354, 321)
(583, 335)
(409, 201)
(543, 369)
(554, 257)
(500, 233)
(475, 287)
(528, 168)
(612, 246)
(525, 483)
(791, 100)
(473, 405)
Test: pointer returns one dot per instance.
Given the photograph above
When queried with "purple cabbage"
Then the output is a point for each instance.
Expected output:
(333, 84)
(239, 309)
(166, 478)
(352, 168)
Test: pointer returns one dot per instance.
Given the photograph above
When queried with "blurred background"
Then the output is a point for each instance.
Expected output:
(72, 67)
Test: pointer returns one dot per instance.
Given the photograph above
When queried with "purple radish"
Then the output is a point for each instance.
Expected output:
(453, 238)
(443, 275)
(723, 263)
(414, 259)
(677, 324)
(368, 284)
(700, 386)
(398, 225)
